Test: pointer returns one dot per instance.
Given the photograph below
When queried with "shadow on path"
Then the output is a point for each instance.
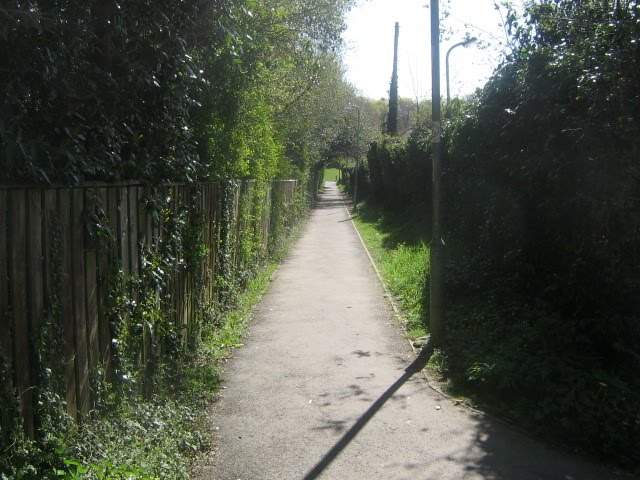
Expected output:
(415, 367)
(325, 202)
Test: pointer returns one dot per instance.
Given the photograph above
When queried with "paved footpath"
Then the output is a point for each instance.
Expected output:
(328, 387)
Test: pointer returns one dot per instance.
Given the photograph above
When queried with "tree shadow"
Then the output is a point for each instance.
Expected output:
(329, 199)
(327, 203)
(495, 451)
(415, 367)
(407, 226)
(499, 452)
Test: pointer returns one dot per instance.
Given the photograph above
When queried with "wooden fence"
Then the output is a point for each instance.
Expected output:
(57, 246)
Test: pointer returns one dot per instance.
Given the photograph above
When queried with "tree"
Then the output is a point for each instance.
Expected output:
(157, 90)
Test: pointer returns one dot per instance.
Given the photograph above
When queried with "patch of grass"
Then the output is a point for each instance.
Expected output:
(331, 174)
(398, 245)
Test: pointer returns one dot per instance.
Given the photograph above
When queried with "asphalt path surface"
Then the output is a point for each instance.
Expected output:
(327, 386)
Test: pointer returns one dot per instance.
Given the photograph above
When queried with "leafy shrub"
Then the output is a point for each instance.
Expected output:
(400, 170)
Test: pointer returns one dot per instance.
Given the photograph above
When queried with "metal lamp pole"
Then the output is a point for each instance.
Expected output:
(464, 43)
(436, 257)
(355, 188)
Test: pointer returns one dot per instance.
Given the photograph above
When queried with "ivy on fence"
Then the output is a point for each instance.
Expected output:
(106, 287)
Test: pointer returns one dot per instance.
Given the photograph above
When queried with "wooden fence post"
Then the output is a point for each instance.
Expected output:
(22, 350)
(66, 299)
(35, 288)
(6, 338)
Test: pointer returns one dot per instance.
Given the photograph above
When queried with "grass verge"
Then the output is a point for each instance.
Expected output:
(219, 342)
(331, 174)
(398, 245)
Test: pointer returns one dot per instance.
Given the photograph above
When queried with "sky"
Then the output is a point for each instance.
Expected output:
(369, 46)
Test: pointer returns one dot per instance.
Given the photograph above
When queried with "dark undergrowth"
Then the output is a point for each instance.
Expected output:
(128, 437)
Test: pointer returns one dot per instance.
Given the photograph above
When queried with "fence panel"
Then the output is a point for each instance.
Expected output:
(91, 206)
(49, 284)
(79, 301)
(33, 270)
(66, 299)
(59, 250)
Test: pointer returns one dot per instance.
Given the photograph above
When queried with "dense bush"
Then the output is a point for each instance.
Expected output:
(400, 170)
(99, 90)
(166, 91)
(542, 184)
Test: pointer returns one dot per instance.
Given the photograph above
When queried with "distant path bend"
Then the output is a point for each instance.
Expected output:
(325, 386)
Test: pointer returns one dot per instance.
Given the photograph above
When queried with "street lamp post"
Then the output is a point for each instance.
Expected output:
(464, 43)
(436, 257)
(355, 187)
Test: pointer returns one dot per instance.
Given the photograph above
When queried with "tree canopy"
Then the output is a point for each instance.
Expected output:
(162, 90)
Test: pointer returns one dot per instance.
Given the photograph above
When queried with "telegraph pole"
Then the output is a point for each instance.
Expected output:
(392, 122)
(436, 262)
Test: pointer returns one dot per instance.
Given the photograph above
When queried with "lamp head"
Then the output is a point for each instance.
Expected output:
(469, 41)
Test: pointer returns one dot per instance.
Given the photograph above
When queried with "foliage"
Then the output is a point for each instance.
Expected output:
(545, 177)
(287, 91)
(575, 98)
(164, 91)
(400, 169)
(129, 438)
(520, 358)
(286, 211)
(71, 70)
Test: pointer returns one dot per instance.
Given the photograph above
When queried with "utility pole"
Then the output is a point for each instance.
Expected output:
(436, 262)
(392, 122)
